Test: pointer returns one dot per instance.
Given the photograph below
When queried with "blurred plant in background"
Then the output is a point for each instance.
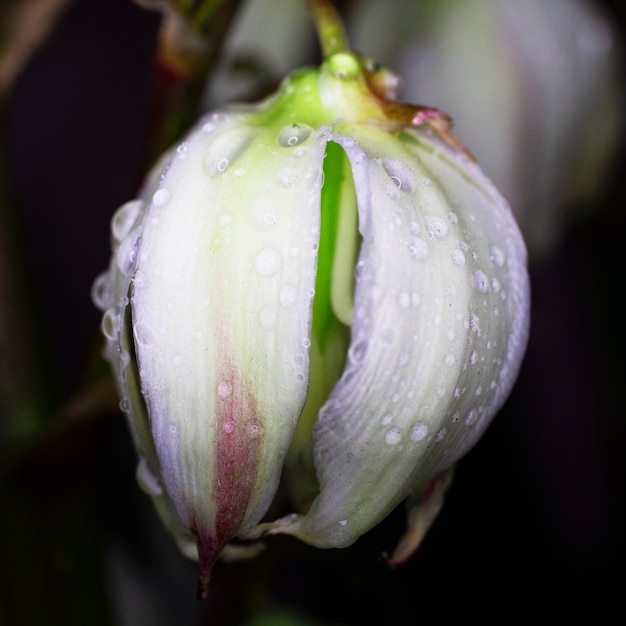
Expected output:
(534, 88)
(85, 109)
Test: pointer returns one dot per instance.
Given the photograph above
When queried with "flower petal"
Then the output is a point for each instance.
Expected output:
(223, 273)
(439, 330)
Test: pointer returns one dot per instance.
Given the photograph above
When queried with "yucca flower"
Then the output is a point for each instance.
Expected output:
(324, 283)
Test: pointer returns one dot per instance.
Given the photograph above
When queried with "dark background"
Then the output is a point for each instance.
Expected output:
(533, 525)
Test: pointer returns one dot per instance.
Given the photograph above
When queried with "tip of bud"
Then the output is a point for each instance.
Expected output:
(208, 553)
(204, 577)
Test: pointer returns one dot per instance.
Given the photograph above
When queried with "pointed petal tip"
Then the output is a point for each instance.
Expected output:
(421, 516)
(204, 577)
(208, 553)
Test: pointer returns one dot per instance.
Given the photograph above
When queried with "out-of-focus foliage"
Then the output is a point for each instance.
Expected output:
(534, 88)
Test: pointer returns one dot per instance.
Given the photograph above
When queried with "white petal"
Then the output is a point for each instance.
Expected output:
(439, 330)
(221, 300)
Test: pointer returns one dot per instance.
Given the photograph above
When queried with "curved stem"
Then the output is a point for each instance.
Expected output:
(329, 27)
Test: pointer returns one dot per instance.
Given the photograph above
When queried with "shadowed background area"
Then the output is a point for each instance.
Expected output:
(533, 523)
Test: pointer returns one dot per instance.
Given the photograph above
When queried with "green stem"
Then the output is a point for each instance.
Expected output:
(329, 26)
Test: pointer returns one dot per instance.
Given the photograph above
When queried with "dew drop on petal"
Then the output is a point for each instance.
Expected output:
(224, 389)
(418, 248)
(126, 255)
(418, 431)
(143, 335)
(357, 351)
(102, 292)
(480, 282)
(139, 279)
(225, 149)
(111, 324)
(267, 262)
(293, 135)
(161, 197)
(286, 176)
(287, 295)
(393, 436)
(400, 173)
(437, 227)
(385, 420)
(268, 317)
(458, 258)
(471, 418)
(124, 219)
(474, 323)
(254, 430)
(497, 256)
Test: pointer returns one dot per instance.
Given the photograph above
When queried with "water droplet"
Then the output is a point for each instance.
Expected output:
(224, 389)
(437, 227)
(268, 317)
(441, 434)
(473, 357)
(343, 522)
(449, 360)
(286, 176)
(458, 258)
(393, 436)
(287, 295)
(254, 430)
(306, 343)
(418, 431)
(357, 351)
(480, 282)
(124, 219)
(471, 418)
(400, 173)
(418, 248)
(293, 135)
(452, 218)
(161, 197)
(267, 262)
(385, 420)
(139, 279)
(142, 334)
(474, 323)
(123, 356)
(102, 292)
(225, 149)
(111, 324)
(497, 256)
(228, 426)
(127, 252)
(403, 358)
